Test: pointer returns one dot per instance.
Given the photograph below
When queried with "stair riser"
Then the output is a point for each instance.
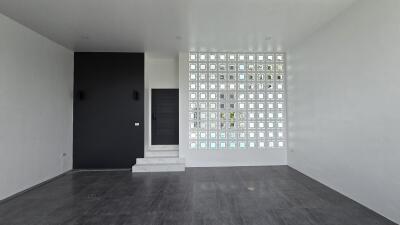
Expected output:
(161, 154)
(158, 168)
(143, 161)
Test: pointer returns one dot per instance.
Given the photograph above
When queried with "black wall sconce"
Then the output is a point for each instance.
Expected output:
(80, 95)
(136, 95)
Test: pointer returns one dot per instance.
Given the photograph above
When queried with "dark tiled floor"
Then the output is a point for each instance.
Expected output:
(207, 196)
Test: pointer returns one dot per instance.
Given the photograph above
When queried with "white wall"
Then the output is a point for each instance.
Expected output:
(344, 111)
(160, 72)
(36, 83)
(219, 158)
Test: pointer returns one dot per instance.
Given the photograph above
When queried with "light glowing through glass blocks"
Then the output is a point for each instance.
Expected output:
(237, 100)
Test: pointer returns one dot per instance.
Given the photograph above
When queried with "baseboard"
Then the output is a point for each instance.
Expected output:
(2, 201)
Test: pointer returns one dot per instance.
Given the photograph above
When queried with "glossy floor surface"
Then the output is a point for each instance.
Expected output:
(206, 196)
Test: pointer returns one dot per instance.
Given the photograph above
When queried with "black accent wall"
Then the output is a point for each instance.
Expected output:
(108, 101)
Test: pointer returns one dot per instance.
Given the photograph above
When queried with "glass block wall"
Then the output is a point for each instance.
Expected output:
(237, 100)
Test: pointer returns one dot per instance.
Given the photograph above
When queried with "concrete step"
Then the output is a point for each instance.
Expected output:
(175, 167)
(163, 148)
(161, 153)
(159, 160)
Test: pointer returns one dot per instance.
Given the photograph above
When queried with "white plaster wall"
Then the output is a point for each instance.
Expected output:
(213, 158)
(36, 86)
(161, 71)
(344, 113)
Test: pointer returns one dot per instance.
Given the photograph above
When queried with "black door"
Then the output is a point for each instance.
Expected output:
(109, 90)
(165, 117)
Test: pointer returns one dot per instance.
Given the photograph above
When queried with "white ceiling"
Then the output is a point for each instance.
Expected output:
(169, 26)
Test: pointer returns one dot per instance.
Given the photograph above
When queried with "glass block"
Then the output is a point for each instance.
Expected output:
(213, 86)
(251, 96)
(279, 86)
(270, 105)
(232, 67)
(193, 76)
(213, 96)
(193, 144)
(203, 105)
(212, 77)
(252, 134)
(271, 125)
(242, 144)
(193, 95)
(270, 96)
(213, 67)
(213, 145)
(202, 86)
(251, 67)
(260, 58)
(232, 57)
(193, 66)
(192, 105)
(260, 67)
(260, 96)
(202, 57)
(251, 77)
(203, 144)
(270, 134)
(242, 57)
(213, 105)
(270, 67)
(203, 66)
(261, 144)
(261, 135)
(203, 96)
(261, 77)
(192, 57)
(261, 115)
(242, 76)
(252, 144)
(192, 86)
(202, 76)
(279, 58)
(242, 67)
(232, 144)
(213, 116)
(193, 135)
(279, 67)
(193, 115)
(280, 134)
(222, 57)
(260, 105)
(231, 77)
(222, 144)
(271, 144)
(222, 67)
(251, 57)
(281, 144)
(213, 135)
(279, 96)
(212, 57)
(270, 58)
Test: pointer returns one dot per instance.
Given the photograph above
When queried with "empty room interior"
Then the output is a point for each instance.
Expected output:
(199, 112)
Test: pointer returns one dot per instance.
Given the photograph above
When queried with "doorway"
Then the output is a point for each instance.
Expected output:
(165, 117)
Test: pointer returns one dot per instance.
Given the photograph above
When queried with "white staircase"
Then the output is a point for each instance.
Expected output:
(160, 158)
